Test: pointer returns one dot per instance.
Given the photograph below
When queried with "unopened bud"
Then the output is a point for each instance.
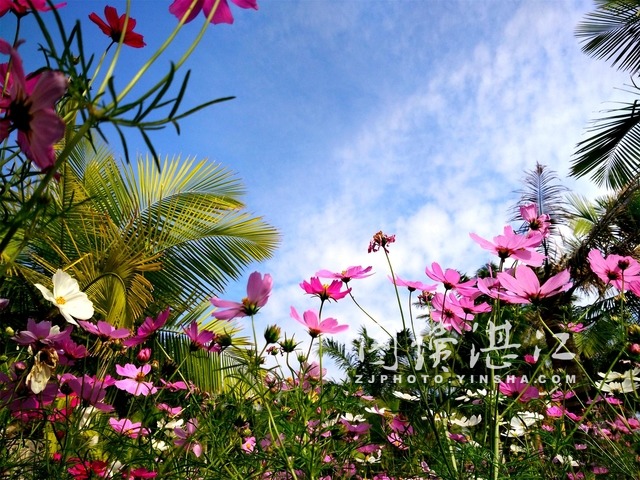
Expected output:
(288, 345)
(272, 334)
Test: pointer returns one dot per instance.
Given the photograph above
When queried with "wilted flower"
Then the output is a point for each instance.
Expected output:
(381, 240)
(67, 296)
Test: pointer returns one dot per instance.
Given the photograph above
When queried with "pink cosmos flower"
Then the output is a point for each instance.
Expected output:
(148, 328)
(248, 444)
(617, 270)
(324, 291)
(351, 273)
(198, 339)
(32, 112)
(105, 330)
(90, 390)
(114, 27)
(524, 286)
(537, 223)
(22, 7)
(412, 286)
(128, 428)
(41, 334)
(316, 327)
(258, 291)
(512, 245)
(450, 278)
(134, 382)
(447, 311)
(180, 8)
(515, 387)
(184, 437)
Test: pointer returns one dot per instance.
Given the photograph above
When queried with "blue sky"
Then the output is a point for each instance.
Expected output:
(415, 117)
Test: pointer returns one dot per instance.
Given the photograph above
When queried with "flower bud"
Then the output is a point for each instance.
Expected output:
(272, 334)
(144, 355)
(288, 345)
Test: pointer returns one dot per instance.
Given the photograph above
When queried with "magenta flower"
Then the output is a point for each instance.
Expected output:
(351, 273)
(139, 474)
(447, 311)
(90, 390)
(537, 223)
(450, 278)
(412, 286)
(617, 270)
(32, 112)
(148, 328)
(524, 286)
(323, 291)
(181, 9)
(135, 383)
(512, 245)
(128, 428)
(41, 334)
(184, 437)
(198, 339)
(316, 327)
(258, 291)
(22, 7)
(515, 387)
(105, 330)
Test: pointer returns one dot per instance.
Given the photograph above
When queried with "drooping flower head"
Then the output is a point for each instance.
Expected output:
(316, 327)
(185, 437)
(512, 245)
(114, 27)
(412, 286)
(30, 109)
(67, 296)
(323, 291)
(183, 9)
(258, 291)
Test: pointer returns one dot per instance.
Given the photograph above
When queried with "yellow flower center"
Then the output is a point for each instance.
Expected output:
(60, 300)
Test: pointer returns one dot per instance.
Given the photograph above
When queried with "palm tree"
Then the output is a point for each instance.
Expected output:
(139, 239)
(610, 154)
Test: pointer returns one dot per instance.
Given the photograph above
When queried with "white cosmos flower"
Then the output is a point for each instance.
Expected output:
(67, 296)
(472, 421)
(406, 396)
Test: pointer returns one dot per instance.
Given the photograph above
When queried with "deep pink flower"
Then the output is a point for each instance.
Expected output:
(139, 473)
(184, 437)
(450, 278)
(324, 291)
(180, 8)
(32, 113)
(114, 27)
(515, 387)
(128, 428)
(148, 328)
(316, 327)
(199, 339)
(22, 7)
(512, 245)
(412, 286)
(144, 355)
(258, 291)
(537, 223)
(524, 285)
(86, 469)
(135, 383)
(351, 273)
(104, 330)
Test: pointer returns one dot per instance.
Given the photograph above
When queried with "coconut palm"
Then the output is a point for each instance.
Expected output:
(610, 155)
